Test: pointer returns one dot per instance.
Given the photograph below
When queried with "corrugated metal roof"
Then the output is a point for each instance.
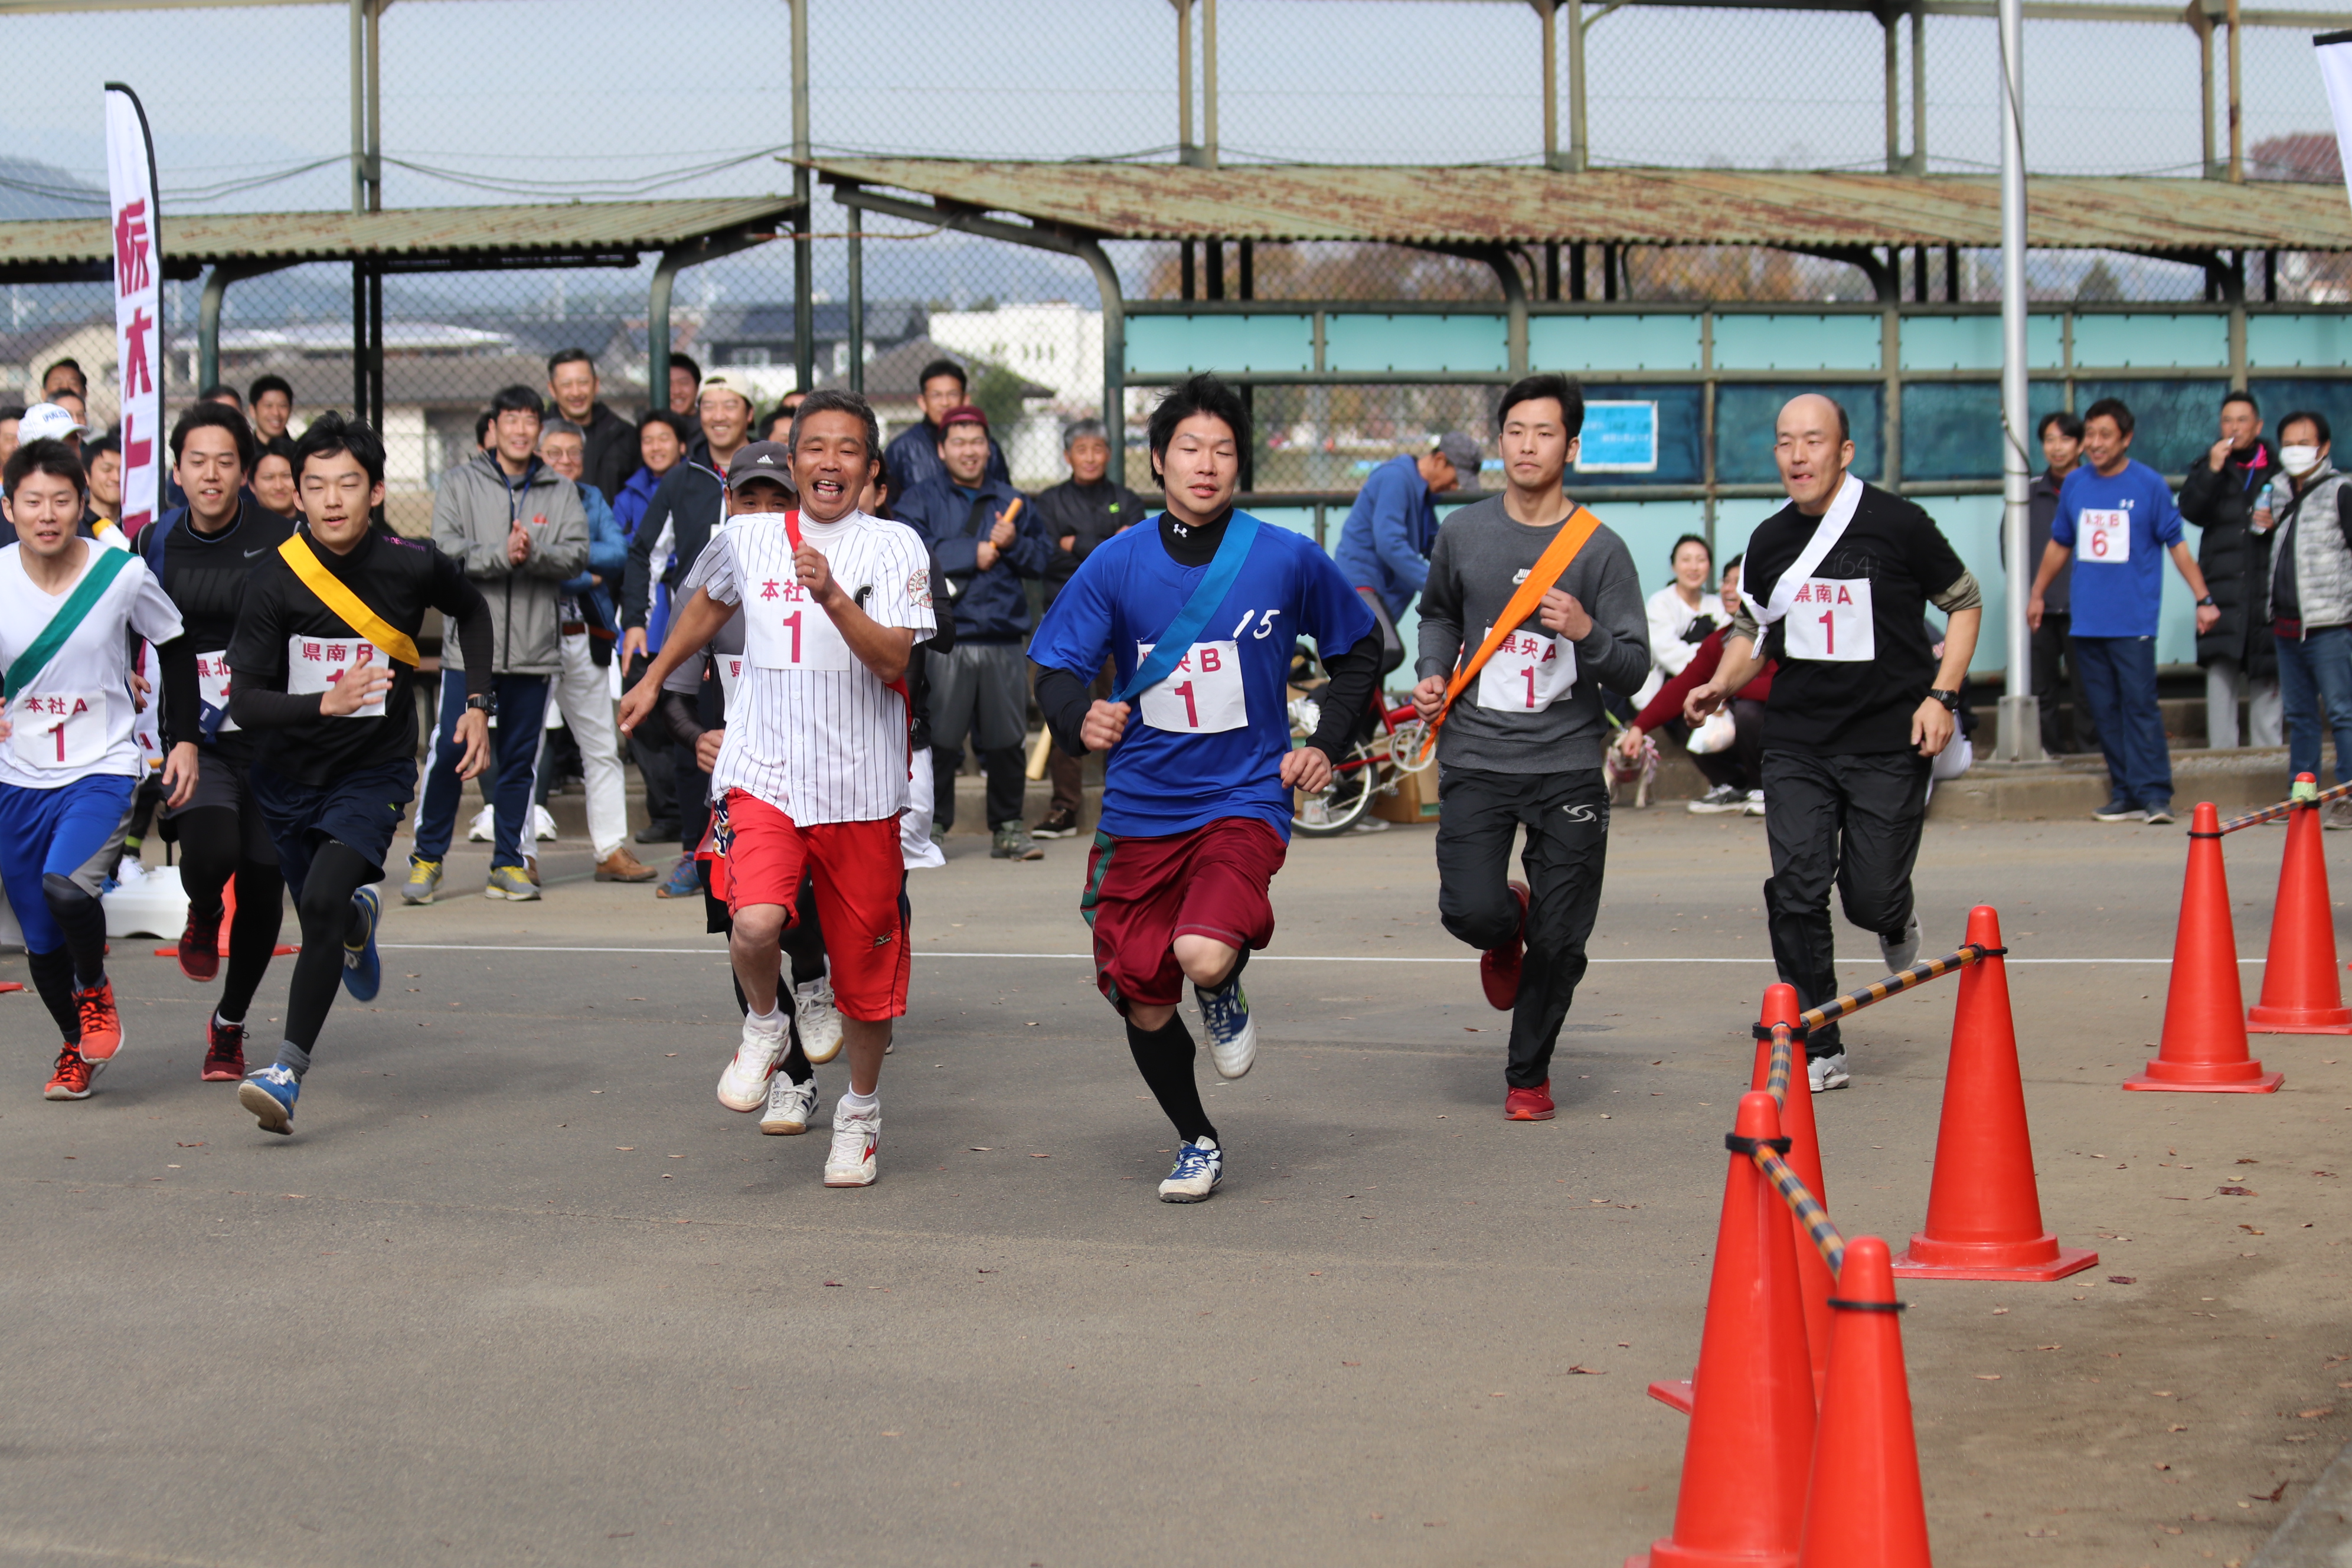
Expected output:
(573, 228)
(1637, 207)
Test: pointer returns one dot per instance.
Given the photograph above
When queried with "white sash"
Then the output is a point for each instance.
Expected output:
(1831, 529)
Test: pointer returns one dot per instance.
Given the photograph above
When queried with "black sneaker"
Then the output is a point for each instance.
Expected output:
(2159, 814)
(2119, 810)
(1718, 800)
(662, 830)
(1058, 824)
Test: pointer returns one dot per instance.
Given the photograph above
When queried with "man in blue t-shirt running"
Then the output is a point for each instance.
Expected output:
(2115, 517)
(1197, 793)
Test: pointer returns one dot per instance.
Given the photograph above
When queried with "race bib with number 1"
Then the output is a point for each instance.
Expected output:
(2105, 536)
(783, 629)
(1202, 696)
(313, 664)
(58, 729)
(1830, 619)
(1528, 672)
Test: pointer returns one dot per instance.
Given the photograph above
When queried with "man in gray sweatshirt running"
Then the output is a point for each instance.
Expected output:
(1522, 744)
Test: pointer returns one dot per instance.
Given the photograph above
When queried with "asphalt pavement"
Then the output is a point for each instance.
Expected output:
(519, 1290)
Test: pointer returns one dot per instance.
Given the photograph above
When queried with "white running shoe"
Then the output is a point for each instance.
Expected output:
(1198, 1169)
(819, 1020)
(856, 1135)
(790, 1107)
(1903, 952)
(130, 873)
(1755, 803)
(1233, 1037)
(1826, 1072)
(484, 828)
(744, 1084)
(542, 824)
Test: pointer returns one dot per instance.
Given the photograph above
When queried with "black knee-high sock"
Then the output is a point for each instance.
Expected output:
(252, 935)
(1165, 1061)
(83, 919)
(804, 940)
(336, 873)
(208, 840)
(53, 978)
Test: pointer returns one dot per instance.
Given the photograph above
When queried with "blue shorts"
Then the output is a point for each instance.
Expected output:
(360, 809)
(72, 831)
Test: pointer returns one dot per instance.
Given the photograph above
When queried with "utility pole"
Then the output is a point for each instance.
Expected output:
(2021, 714)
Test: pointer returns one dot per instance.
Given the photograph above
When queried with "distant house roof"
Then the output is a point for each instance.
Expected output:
(433, 381)
(770, 323)
(895, 375)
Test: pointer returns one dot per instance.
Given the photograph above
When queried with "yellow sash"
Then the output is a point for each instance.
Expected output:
(394, 642)
(1550, 567)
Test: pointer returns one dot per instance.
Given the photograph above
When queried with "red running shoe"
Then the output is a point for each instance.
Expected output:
(1499, 967)
(101, 1026)
(72, 1080)
(224, 1051)
(200, 944)
(1528, 1104)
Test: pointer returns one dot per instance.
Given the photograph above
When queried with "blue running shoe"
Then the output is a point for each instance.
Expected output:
(362, 966)
(270, 1094)
(1199, 1168)
(1232, 1038)
(683, 881)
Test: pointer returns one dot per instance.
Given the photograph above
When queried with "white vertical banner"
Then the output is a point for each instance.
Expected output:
(2334, 51)
(137, 302)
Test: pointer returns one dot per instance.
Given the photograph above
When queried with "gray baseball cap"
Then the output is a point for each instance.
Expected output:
(762, 461)
(1461, 452)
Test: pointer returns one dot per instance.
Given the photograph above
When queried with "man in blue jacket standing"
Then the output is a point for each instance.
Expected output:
(987, 539)
(1384, 545)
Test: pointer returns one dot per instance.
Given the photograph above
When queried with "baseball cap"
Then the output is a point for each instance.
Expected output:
(1461, 452)
(760, 460)
(965, 414)
(723, 381)
(49, 422)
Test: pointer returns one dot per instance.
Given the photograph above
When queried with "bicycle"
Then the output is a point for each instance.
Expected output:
(1371, 766)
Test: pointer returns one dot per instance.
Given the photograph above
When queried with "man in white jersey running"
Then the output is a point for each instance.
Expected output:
(813, 773)
(69, 611)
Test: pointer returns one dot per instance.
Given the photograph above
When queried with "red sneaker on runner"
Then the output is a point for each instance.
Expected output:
(101, 1026)
(71, 1078)
(1528, 1104)
(224, 1051)
(200, 946)
(1499, 967)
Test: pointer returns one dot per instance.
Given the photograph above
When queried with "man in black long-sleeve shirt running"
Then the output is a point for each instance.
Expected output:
(324, 663)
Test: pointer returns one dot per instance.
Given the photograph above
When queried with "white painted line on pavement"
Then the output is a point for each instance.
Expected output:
(1255, 958)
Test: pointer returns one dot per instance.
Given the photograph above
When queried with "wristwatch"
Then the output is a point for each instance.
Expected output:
(1950, 700)
(484, 704)
(2206, 602)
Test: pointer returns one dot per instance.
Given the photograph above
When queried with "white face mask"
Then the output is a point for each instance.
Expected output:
(2299, 460)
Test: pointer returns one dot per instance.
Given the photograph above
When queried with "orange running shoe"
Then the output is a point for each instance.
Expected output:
(71, 1080)
(1528, 1104)
(101, 1026)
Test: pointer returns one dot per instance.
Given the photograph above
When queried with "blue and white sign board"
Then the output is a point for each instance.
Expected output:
(1619, 438)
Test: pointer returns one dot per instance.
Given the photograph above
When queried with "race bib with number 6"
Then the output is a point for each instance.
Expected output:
(1528, 673)
(2105, 536)
(1830, 619)
(58, 729)
(1202, 696)
(313, 664)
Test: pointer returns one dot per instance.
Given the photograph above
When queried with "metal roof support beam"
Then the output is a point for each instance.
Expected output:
(1885, 281)
(1086, 249)
(208, 312)
(711, 248)
(1506, 264)
(804, 249)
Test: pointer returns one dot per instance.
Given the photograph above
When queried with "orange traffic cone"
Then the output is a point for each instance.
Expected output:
(1751, 1433)
(1805, 1158)
(1864, 1506)
(2301, 995)
(2204, 1046)
(1984, 1212)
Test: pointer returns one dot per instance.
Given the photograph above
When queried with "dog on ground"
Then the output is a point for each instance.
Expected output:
(1639, 771)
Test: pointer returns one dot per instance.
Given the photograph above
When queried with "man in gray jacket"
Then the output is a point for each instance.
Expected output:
(518, 528)
(2310, 605)
(1521, 745)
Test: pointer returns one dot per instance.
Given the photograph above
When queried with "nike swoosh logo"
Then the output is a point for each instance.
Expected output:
(251, 553)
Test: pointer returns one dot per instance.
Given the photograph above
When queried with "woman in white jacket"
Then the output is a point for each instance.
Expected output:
(1681, 615)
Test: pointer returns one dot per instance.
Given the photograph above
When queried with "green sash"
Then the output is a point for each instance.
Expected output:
(62, 625)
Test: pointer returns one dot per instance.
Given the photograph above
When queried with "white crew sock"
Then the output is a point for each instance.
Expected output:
(861, 1103)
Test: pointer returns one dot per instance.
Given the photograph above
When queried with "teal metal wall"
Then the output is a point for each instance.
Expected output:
(1919, 381)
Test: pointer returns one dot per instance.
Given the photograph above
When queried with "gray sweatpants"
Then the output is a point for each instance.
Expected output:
(980, 690)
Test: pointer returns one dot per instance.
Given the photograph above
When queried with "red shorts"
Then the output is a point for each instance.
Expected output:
(860, 881)
(1143, 893)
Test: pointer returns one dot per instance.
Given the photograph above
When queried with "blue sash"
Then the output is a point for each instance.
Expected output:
(1175, 640)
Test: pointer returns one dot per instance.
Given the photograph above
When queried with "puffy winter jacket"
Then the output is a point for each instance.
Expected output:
(2236, 560)
(608, 556)
(472, 514)
(2319, 554)
(991, 605)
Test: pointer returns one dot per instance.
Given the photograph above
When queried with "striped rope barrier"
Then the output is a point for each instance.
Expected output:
(2273, 812)
(1807, 1207)
(1893, 986)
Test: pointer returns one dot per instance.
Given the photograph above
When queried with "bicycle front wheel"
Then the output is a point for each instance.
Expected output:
(1339, 805)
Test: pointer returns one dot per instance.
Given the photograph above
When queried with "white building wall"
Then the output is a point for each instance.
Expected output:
(1054, 345)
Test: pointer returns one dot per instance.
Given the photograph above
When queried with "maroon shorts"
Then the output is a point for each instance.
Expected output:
(859, 876)
(1143, 893)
